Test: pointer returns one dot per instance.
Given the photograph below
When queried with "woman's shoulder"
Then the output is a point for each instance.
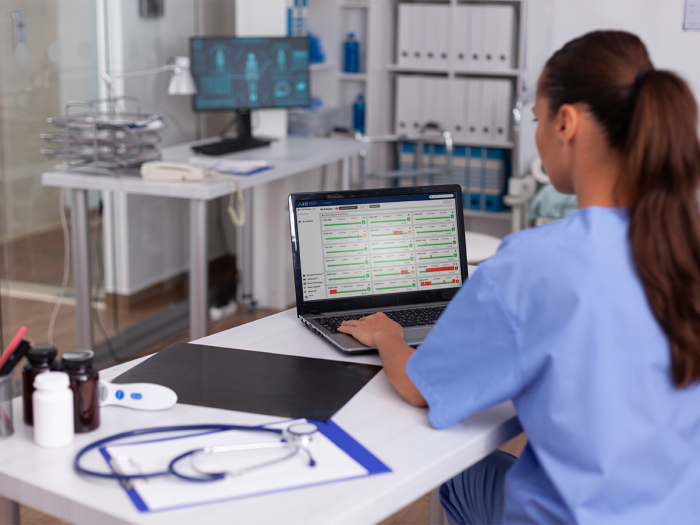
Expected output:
(586, 230)
(567, 250)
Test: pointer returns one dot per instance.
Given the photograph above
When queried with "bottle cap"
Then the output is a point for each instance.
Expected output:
(78, 359)
(51, 381)
(42, 354)
(351, 35)
(360, 96)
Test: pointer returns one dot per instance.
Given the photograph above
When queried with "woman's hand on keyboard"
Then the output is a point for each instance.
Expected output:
(380, 332)
(372, 329)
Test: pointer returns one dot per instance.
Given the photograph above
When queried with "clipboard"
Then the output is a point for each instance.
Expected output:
(338, 457)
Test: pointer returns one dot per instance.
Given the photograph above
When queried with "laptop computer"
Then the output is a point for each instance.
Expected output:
(400, 251)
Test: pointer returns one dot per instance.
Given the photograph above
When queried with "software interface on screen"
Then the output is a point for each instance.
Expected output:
(244, 73)
(356, 247)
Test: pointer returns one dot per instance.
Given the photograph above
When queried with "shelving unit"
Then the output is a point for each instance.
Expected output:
(496, 223)
(376, 24)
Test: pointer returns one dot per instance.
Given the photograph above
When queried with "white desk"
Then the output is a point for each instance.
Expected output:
(480, 246)
(421, 458)
(290, 156)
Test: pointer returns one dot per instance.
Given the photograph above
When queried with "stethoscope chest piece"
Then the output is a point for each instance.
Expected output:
(301, 433)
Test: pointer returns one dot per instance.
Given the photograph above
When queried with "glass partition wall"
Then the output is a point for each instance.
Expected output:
(53, 52)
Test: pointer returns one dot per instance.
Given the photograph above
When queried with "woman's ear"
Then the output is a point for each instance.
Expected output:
(567, 123)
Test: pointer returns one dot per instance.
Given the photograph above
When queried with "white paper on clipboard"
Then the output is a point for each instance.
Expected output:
(337, 455)
(691, 18)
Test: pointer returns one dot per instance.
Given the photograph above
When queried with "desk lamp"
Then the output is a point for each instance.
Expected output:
(180, 84)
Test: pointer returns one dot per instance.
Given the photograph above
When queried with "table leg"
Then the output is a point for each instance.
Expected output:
(9, 512)
(199, 269)
(437, 514)
(247, 253)
(81, 269)
(345, 173)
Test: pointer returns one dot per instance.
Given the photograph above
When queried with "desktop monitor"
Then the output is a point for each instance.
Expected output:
(241, 74)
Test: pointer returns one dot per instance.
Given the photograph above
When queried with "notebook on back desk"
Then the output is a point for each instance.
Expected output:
(400, 251)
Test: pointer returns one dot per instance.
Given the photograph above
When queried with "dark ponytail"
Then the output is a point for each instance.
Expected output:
(651, 118)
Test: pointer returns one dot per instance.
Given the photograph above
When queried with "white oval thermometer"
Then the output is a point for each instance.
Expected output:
(140, 396)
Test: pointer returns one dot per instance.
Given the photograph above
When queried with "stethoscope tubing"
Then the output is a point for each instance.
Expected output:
(125, 478)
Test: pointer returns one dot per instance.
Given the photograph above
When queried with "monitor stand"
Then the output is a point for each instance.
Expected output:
(242, 142)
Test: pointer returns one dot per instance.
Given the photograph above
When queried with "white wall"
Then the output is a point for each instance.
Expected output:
(147, 242)
(657, 22)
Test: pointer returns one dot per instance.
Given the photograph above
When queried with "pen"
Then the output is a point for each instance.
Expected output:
(15, 357)
(12, 346)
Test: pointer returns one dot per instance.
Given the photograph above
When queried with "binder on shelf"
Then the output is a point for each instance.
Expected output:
(439, 160)
(474, 170)
(495, 179)
(460, 96)
(487, 111)
(462, 37)
(502, 110)
(419, 35)
(476, 38)
(407, 156)
(432, 31)
(443, 45)
(474, 111)
(459, 170)
(505, 16)
(405, 104)
(404, 45)
(487, 176)
(417, 96)
(435, 101)
(437, 39)
(489, 37)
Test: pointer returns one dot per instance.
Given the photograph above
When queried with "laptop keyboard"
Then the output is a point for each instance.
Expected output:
(412, 317)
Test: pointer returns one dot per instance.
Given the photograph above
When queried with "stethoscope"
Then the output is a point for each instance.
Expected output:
(295, 438)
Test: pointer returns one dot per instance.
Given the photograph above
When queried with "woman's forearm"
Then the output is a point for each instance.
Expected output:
(395, 353)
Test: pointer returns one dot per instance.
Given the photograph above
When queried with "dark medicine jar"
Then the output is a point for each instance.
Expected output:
(40, 359)
(84, 384)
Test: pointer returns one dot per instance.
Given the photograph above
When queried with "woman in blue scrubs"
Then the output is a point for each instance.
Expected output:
(590, 325)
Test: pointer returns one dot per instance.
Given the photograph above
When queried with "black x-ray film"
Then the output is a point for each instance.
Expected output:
(257, 382)
(248, 73)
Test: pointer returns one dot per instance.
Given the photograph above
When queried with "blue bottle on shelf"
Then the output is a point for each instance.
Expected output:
(352, 55)
(358, 113)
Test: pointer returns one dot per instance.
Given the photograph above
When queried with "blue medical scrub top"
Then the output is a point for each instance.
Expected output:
(558, 321)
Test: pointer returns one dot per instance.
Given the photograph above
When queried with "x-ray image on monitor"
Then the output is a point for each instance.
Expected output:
(250, 73)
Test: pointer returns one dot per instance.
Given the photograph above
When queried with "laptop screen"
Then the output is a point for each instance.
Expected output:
(355, 247)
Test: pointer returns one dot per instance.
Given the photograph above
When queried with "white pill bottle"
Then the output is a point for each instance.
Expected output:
(52, 404)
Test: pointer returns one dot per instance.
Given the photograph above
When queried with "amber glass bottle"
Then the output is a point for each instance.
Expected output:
(84, 383)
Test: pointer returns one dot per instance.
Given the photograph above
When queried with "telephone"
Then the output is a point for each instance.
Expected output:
(172, 171)
(179, 171)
